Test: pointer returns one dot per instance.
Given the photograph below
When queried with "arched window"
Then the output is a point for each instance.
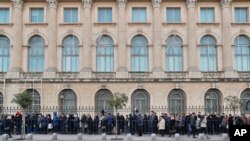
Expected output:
(141, 101)
(70, 54)
(242, 53)
(174, 54)
(4, 53)
(36, 54)
(176, 102)
(102, 98)
(208, 54)
(105, 54)
(139, 54)
(1, 102)
(68, 101)
(212, 101)
(246, 101)
(36, 101)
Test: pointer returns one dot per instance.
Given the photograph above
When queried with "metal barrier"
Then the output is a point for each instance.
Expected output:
(97, 120)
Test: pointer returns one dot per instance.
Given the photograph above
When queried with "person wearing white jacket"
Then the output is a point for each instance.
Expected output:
(203, 125)
(161, 125)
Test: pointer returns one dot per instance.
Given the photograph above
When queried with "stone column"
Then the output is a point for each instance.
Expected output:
(226, 38)
(157, 48)
(86, 71)
(191, 32)
(16, 52)
(51, 64)
(122, 71)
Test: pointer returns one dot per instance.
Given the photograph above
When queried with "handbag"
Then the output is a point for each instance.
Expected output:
(6, 128)
(50, 126)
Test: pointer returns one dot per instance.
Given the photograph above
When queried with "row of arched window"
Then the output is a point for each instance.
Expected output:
(140, 100)
(139, 54)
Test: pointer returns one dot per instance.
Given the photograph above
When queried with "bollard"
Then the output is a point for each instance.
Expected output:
(103, 136)
(225, 136)
(29, 137)
(176, 136)
(79, 136)
(129, 137)
(201, 136)
(54, 136)
(4, 137)
(153, 137)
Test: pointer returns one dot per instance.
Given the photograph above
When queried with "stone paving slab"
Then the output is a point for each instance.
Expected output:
(47, 137)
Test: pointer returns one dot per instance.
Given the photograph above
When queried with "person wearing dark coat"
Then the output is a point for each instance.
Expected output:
(7, 125)
(95, 124)
(139, 124)
(131, 124)
(193, 119)
(90, 124)
(76, 124)
(145, 124)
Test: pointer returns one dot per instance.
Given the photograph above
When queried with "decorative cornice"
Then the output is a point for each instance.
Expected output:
(225, 3)
(156, 3)
(18, 3)
(122, 3)
(191, 3)
(52, 3)
(87, 3)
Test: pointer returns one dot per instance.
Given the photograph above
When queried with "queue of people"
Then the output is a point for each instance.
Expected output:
(165, 124)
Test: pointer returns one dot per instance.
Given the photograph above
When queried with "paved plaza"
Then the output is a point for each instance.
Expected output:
(47, 137)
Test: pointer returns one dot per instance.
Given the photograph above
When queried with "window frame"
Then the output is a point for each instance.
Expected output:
(31, 68)
(247, 14)
(9, 16)
(105, 21)
(139, 55)
(206, 8)
(146, 14)
(208, 55)
(70, 54)
(71, 21)
(37, 21)
(174, 55)
(4, 56)
(166, 14)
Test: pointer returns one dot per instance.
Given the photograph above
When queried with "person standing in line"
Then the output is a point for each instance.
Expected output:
(139, 122)
(161, 125)
(193, 119)
(203, 125)
(7, 125)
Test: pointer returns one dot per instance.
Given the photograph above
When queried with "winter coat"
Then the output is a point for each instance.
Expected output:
(161, 124)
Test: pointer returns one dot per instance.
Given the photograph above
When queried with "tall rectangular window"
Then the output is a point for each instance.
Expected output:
(241, 15)
(4, 15)
(105, 15)
(139, 15)
(37, 15)
(173, 15)
(70, 15)
(207, 15)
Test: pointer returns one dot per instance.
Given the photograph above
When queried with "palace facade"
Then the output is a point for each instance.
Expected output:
(172, 53)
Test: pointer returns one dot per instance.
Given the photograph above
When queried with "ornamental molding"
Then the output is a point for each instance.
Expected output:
(87, 3)
(18, 3)
(225, 3)
(122, 3)
(156, 3)
(191, 3)
(52, 3)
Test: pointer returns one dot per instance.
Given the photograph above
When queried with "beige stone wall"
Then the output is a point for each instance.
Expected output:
(159, 92)
(229, 82)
